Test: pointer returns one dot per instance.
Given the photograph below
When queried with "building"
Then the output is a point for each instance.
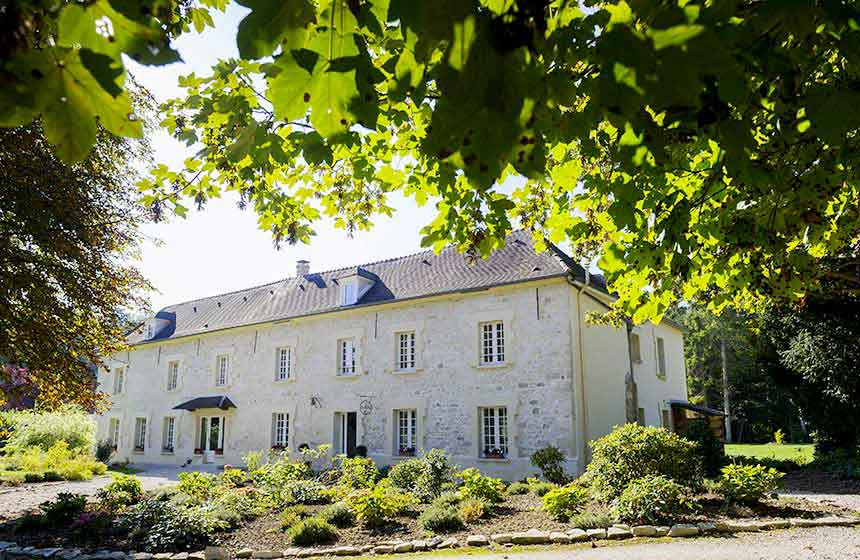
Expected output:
(489, 360)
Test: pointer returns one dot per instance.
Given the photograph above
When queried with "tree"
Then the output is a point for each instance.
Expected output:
(702, 148)
(67, 233)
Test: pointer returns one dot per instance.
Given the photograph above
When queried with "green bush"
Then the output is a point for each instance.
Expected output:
(709, 448)
(632, 451)
(198, 485)
(273, 478)
(312, 531)
(540, 488)
(233, 477)
(565, 501)
(590, 520)
(440, 518)
(104, 451)
(339, 515)
(373, 507)
(60, 513)
(405, 473)
(59, 462)
(307, 492)
(651, 500)
(292, 515)
(159, 526)
(472, 509)
(747, 483)
(518, 488)
(437, 474)
(550, 461)
(357, 472)
(44, 429)
(120, 493)
(450, 498)
(476, 485)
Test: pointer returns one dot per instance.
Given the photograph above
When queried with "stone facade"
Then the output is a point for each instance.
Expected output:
(561, 382)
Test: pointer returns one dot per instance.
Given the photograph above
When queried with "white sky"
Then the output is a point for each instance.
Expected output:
(221, 248)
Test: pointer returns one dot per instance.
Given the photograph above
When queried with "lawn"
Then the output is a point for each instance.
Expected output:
(797, 453)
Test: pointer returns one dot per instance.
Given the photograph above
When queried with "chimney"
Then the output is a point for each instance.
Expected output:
(303, 268)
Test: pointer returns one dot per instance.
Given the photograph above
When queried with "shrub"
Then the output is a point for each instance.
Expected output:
(538, 487)
(476, 485)
(406, 473)
(311, 531)
(747, 483)
(708, 447)
(450, 498)
(440, 519)
(633, 451)
(373, 507)
(357, 472)
(779, 437)
(518, 488)
(158, 525)
(591, 520)
(64, 510)
(273, 478)
(198, 485)
(62, 462)
(472, 509)
(292, 515)
(652, 499)
(339, 515)
(550, 461)
(563, 502)
(45, 429)
(233, 477)
(120, 493)
(104, 451)
(307, 492)
(246, 503)
(438, 472)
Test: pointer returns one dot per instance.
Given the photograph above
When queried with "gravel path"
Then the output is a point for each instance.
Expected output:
(16, 500)
(823, 543)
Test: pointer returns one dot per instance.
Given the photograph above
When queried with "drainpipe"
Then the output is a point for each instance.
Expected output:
(630, 389)
(583, 408)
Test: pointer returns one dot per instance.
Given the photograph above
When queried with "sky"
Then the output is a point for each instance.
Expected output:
(221, 249)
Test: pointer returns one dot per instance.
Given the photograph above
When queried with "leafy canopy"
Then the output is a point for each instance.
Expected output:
(705, 149)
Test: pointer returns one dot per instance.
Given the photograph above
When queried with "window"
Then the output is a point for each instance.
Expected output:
(406, 351)
(118, 380)
(347, 292)
(661, 358)
(211, 435)
(150, 330)
(282, 372)
(172, 375)
(280, 430)
(635, 348)
(664, 416)
(167, 434)
(492, 342)
(140, 434)
(407, 432)
(346, 356)
(113, 433)
(222, 370)
(494, 432)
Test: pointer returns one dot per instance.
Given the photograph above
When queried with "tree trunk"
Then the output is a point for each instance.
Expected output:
(726, 403)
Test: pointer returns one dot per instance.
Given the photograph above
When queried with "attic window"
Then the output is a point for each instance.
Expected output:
(348, 293)
(150, 330)
(219, 304)
(194, 309)
(244, 298)
(536, 269)
(425, 261)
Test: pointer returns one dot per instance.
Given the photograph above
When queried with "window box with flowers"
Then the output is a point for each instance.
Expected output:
(198, 451)
(219, 451)
(494, 453)
(406, 452)
(279, 448)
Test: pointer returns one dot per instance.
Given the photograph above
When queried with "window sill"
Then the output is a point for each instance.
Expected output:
(347, 375)
(167, 453)
(139, 451)
(499, 365)
(290, 379)
(407, 371)
(398, 457)
(494, 459)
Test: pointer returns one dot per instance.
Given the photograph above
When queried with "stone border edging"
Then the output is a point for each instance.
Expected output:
(11, 551)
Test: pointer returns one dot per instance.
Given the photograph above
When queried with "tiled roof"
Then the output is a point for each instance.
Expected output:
(413, 276)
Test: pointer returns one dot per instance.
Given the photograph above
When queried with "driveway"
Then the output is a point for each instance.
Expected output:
(822, 543)
(16, 500)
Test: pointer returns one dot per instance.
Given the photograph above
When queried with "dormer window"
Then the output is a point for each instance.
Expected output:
(348, 292)
(150, 330)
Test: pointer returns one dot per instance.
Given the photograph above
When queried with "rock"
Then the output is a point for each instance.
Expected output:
(267, 554)
(140, 556)
(450, 542)
(383, 549)
(644, 531)
(477, 540)
(706, 527)
(367, 548)
(243, 553)
(310, 552)
(6, 544)
(419, 545)
(502, 538)
(577, 535)
(168, 556)
(216, 553)
(178, 556)
(662, 531)
(596, 533)
(733, 526)
(49, 552)
(834, 521)
(198, 555)
(434, 542)
(772, 524)
(532, 536)
(402, 547)
(617, 533)
(346, 551)
(292, 551)
(74, 553)
(683, 530)
(560, 538)
(622, 526)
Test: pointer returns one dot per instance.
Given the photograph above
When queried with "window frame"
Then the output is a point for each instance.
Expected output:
(491, 343)
(277, 443)
(140, 428)
(207, 420)
(342, 359)
(408, 448)
(279, 363)
(173, 375)
(500, 435)
(636, 349)
(114, 432)
(226, 370)
(409, 351)
(119, 380)
(348, 293)
(662, 366)
(168, 427)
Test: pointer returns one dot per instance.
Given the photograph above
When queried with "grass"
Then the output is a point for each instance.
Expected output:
(797, 453)
(123, 468)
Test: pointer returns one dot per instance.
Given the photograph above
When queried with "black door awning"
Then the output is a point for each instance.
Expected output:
(219, 401)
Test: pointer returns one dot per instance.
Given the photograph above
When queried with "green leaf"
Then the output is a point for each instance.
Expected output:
(675, 36)
(272, 23)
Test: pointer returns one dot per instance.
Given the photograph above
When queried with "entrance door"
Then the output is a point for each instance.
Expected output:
(212, 434)
(345, 432)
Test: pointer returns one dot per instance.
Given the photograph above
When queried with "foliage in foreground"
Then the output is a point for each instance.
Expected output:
(440, 518)
(652, 499)
(120, 493)
(41, 429)
(565, 501)
(312, 531)
(57, 463)
(747, 483)
(373, 507)
(485, 488)
(632, 451)
(550, 461)
(425, 477)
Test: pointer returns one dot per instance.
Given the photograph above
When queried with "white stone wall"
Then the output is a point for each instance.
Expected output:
(539, 382)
